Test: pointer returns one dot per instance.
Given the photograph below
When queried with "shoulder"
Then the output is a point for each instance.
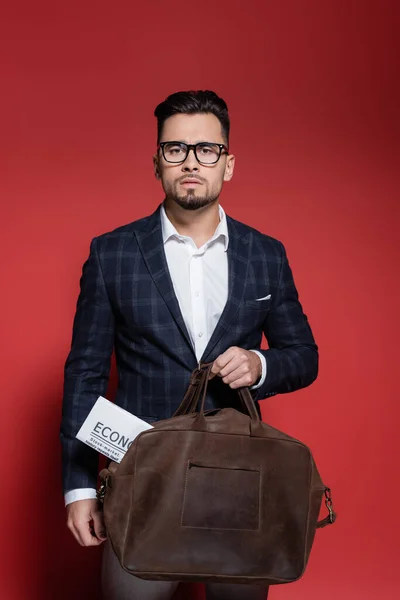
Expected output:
(125, 230)
(259, 240)
(124, 234)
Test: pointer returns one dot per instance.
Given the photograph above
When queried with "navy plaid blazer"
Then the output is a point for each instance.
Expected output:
(127, 304)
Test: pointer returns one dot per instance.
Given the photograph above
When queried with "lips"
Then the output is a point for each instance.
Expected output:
(190, 180)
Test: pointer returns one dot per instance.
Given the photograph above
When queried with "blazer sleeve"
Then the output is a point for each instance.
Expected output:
(292, 357)
(86, 372)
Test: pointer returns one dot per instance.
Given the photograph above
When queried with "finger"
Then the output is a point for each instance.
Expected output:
(77, 535)
(235, 363)
(234, 375)
(84, 536)
(223, 360)
(98, 525)
(243, 381)
(211, 375)
(87, 536)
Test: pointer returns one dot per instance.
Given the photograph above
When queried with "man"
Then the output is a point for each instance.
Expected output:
(184, 285)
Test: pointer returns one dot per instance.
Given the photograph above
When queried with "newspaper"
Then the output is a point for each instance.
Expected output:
(110, 429)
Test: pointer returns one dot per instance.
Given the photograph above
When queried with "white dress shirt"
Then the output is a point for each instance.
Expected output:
(200, 280)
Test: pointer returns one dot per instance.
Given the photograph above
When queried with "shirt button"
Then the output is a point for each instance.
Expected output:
(200, 334)
(197, 294)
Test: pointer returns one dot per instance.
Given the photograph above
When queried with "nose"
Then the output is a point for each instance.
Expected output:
(190, 163)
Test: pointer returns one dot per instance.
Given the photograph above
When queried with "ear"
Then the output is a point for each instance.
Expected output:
(229, 167)
(156, 167)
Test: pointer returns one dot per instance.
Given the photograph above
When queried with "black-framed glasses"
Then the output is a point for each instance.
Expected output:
(206, 153)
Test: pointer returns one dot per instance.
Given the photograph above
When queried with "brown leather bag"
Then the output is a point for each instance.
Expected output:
(217, 496)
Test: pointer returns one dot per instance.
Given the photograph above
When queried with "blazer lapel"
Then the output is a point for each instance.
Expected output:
(238, 262)
(151, 245)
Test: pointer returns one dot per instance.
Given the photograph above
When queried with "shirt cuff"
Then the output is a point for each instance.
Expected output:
(79, 494)
(263, 372)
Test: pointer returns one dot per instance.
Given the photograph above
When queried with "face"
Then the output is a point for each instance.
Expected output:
(190, 184)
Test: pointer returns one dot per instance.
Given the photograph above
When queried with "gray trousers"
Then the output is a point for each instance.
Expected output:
(117, 584)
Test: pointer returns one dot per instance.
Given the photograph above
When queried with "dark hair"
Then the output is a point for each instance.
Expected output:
(191, 103)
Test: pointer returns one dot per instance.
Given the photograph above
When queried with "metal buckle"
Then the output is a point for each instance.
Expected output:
(329, 505)
(102, 489)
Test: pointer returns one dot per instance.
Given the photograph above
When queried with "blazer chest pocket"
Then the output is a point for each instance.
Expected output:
(262, 305)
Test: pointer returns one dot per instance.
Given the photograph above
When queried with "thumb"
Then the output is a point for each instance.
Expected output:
(98, 525)
(213, 370)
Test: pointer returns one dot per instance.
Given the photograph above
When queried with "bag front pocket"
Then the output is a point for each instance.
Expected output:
(221, 497)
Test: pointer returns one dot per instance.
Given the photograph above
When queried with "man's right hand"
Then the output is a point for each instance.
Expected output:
(85, 521)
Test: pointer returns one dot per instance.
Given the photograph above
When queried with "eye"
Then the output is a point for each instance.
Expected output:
(206, 150)
(174, 149)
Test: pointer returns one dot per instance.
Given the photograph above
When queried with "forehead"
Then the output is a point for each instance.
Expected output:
(192, 128)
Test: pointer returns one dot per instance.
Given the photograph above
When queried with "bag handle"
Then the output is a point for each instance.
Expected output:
(199, 382)
(191, 397)
(244, 395)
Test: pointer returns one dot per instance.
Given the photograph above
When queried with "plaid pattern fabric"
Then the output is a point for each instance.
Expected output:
(127, 304)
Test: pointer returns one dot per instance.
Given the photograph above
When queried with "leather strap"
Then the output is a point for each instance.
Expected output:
(329, 520)
(198, 384)
(190, 399)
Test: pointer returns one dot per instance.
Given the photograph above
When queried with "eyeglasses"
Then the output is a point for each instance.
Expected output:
(206, 153)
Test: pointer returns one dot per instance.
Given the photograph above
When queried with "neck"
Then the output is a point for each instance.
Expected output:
(199, 224)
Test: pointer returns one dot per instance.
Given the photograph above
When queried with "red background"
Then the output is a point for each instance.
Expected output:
(312, 91)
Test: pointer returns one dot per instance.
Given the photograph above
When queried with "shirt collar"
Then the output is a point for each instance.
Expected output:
(169, 231)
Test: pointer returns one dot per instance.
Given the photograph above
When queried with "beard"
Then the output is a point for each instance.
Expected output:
(192, 202)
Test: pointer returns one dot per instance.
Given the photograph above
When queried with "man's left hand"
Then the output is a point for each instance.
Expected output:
(238, 367)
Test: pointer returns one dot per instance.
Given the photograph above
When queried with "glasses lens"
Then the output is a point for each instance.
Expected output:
(174, 152)
(207, 153)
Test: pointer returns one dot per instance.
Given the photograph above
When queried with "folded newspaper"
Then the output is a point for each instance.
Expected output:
(110, 429)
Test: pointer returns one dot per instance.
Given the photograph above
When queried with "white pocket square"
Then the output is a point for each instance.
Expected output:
(264, 298)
